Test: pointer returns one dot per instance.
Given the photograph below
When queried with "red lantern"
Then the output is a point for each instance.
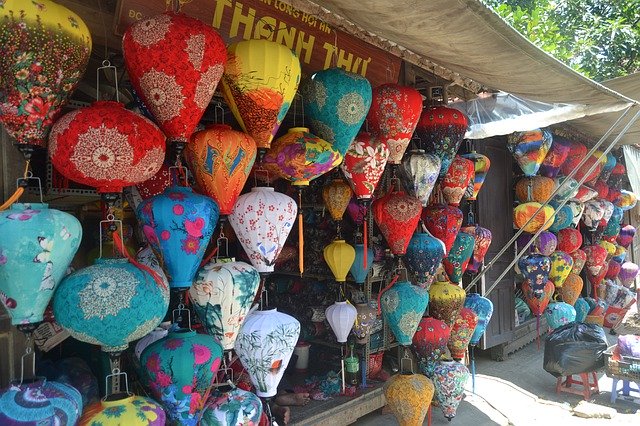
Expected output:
(569, 240)
(393, 117)
(602, 189)
(596, 278)
(156, 184)
(430, 341)
(174, 63)
(364, 164)
(397, 215)
(457, 179)
(579, 259)
(596, 257)
(577, 152)
(613, 270)
(106, 146)
(443, 222)
(461, 333)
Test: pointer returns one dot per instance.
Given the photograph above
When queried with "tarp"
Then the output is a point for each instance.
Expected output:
(632, 161)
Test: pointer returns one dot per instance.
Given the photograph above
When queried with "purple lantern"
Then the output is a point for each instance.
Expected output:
(555, 157)
(625, 237)
(628, 273)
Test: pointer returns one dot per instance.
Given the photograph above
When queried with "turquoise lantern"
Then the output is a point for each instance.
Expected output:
(456, 262)
(359, 270)
(336, 103)
(403, 306)
(178, 225)
(582, 309)
(424, 254)
(110, 304)
(562, 220)
(36, 247)
(483, 307)
(559, 314)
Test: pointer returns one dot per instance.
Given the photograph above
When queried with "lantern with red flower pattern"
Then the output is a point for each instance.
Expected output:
(443, 222)
(455, 182)
(397, 215)
(461, 333)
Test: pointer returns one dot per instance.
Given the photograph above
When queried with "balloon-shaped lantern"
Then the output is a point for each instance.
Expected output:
(340, 256)
(341, 316)
(601, 188)
(483, 239)
(449, 379)
(529, 149)
(586, 194)
(221, 159)
(545, 243)
(336, 196)
(599, 159)
(430, 342)
(628, 273)
(620, 255)
(397, 215)
(178, 224)
(537, 300)
(364, 163)
(613, 270)
(483, 308)
(536, 269)
(336, 102)
(402, 307)
(443, 222)
(174, 63)
(262, 220)
(536, 188)
(559, 314)
(446, 301)
(409, 397)
(567, 188)
(626, 235)
(596, 256)
(424, 255)
(626, 200)
(128, 409)
(481, 165)
(455, 264)
(236, 405)
(221, 295)
(36, 248)
(40, 402)
(45, 51)
(393, 117)
(555, 157)
(419, 172)
(569, 240)
(582, 309)
(561, 264)
(562, 219)
(457, 179)
(571, 289)
(360, 269)
(525, 211)
(461, 332)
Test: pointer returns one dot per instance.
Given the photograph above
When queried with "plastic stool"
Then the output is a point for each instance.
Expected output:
(626, 389)
(563, 384)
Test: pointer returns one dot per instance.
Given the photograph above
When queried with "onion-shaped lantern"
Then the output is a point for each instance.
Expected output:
(537, 300)
(571, 289)
(529, 149)
(461, 332)
(123, 409)
(457, 180)
(364, 163)
(430, 343)
(483, 308)
(336, 196)
(555, 157)
(559, 314)
(409, 398)
(481, 165)
(483, 239)
(341, 316)
(561, 264)
(446, 301)
(536, 188)
(525, 211)
(569, 240)
(457, 260)
(419, 172)
(595, 277)
(40, 402)
(402, 307)
(397, 215)
(340, 256)
(613, 270)
(234, 407)
(449, 379)
(628, 273)
(443, 222)
(545, 243)
(596, 256)
(424, 255)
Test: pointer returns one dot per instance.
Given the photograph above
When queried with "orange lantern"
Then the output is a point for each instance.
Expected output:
(336, 196)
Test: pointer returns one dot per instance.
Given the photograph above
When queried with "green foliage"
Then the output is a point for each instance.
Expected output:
(599, 38)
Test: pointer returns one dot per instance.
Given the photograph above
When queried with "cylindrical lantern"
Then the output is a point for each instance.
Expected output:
(123, 409)
(561, 264)
(525, 211)
(397, 215)
(555, 157)
(443, 222)
(341, 317)
(235, 407)
(340, 257)
(359, 270)
(455, 264)
(457, 179)
(446, 301)
(535, 188)
(364, 163)
(481, 165)
(461, 332)
(39, 402)
(569, 240)
(430, 343)
(336, 195)
(449, 379)
(409, 397)
(419, 172)
(571, 289)
(559, 314)
(483, 308)
(402, 307)
(529, 149)
(424, 255)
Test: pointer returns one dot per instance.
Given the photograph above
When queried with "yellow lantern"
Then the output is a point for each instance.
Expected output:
(445, 301)
(339, 256)
(336, 196)
(609, 247)
(523, 212)
(409, 397)
(535, 188)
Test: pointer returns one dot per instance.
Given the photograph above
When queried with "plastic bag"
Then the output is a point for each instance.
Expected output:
(574, 348)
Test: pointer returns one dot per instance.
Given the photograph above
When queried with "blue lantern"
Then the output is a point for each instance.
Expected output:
(562, 220)
(535, 268)
(403, 306)
(582, 309)
(424, 254)
(336, 102)
(608, 167)
(36, 247)
(178, 225)
(559, 314)
(483, 307)
(110, 304)
(359, 270)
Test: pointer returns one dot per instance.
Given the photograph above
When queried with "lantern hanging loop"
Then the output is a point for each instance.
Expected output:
(181, 171)
(218, 107)
(23, 181)
(28, 352)
(176, 314)
(106, 65)
(21, 184)
(406, 358)
(113, 225)
(298, 98)
(222, 241)
(115, 375)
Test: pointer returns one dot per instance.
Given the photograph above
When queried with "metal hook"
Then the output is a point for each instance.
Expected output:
(179, 309)
(115, 383)
(29, 176)
(111, 219)
(28, 351)
(218, 107)
(406, 358)
(219, 243)
(181, 169)
(107, 65)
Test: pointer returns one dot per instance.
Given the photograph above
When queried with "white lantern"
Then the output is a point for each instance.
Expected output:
(341, 317)
(264, 345)
(262, 220)
(150, 338)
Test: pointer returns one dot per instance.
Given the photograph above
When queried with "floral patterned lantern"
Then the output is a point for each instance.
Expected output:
(613, 270)
(236, 407)
(106, 146)
(608, 167)
(221, 160)
(555, 157)
(595, 278)
(559, 314)
(178, 225)
(481, 247)
(402, 307)
(336, 196)
(481, 165)
(156, 184)
(567, 188)
(443, 222)
(626, 200)
(628, 273)
(562, 219)
(365, 320)
(221, 295)
(409, 397)
(569, 240)
(577, 152)
(359, 269)
(571, 289)
(341, 316)
(537, 300)
(180, 370)
(430, 343)
(449, 379)
(110, 304)
(174, 63)
(535, 188)
(455, 264)
(397, 215)
(525, 211)
(262, 220)
(483, 308)
(336, 103)
(446, 301)
(393, 117)
(424, 255)
(441, 130)
(601, 188)
(545, 243)
(265, 345)
(529, 149)
(617, 177)
(457, 179)
(626, 235)
(582, 309)
(579, 258)
(536, 269)
(577, 209)
(259, 83)
(599, 159)
(596, 256)
(123, 409)
(39, 402)
(37, 246)
(364, 163)
(46, 48)
(461, 333)
(586, 194)
(419, 172)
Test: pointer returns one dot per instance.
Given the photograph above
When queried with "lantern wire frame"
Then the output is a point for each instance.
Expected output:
(28, 352)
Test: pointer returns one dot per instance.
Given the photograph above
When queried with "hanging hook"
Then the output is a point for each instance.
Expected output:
(28, 351)
(114, 225)
(107, 65)
(24, 181)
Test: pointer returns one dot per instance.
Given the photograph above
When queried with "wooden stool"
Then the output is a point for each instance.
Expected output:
(626, 389)
(563, 384)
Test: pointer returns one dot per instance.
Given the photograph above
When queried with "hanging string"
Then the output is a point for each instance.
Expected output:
(300, 234)
(473, 370)
(391, 283)
(19, 190)
(365, 240)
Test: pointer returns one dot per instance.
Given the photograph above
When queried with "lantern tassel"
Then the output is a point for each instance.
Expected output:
(300, 235)
(120, 246)
(365, 242)
(393, 281)
(473, 370)
(14, 197)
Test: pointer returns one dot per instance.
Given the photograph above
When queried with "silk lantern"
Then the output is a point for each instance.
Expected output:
(341, 317)
(357, 211)
(596, 256)
(441, 130)
(585, 194)
(456, 180)
(106, 146)
(529, 149)
(265, 345)
(233, 408)
(359, 269)
(545, 243)
(579, 258)
(221, 160)
(626, 235)
(174, 63)
(571, 289)
(178, 224)
(481, 246)
(577, 151)
(537, 300)
(419, 172)
(628, 273)
(446, 301)
(582, 309)
(525, 211)
(555, 157)
(535, 188)
(39, 402)
(443, 222)
(536, 269)
(461, 332)
(593, 213)
(599, 159)
(559, 314)
(409, 397)
(424, 255)
(221, 296)
(455, 264)
(336, 195)
(110, 304)
(397, 215)
(430, 343)
(393, 116)
(402, 307)
(609, 247)
(262, 220)
(562, 219)
(364, 163)
(365, 320)
(121, 409)
(620, 255)
(483, 308)
(566, 188)
(608, 167)
(569, 240)
(626, 200)
(37, 246)
(46, 48)
(613, 270)
(481, 165)
(336, 102)
(595, 277)
(340, 256)
(449, 379)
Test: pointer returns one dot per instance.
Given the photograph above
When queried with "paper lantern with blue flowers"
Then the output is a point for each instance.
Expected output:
(529, 149)
(559, 314)
(424, 255)
(403, 306)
